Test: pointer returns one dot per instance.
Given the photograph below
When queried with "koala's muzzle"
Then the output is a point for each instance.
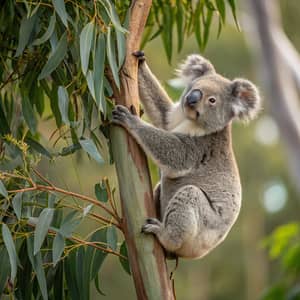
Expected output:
(193, 98)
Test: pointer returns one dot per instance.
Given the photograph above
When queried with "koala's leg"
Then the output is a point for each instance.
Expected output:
(155, 100)
(180, 222)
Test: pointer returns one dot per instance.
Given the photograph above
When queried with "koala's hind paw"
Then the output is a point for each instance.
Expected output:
(120, 115)
(140, 55)
(152, 226)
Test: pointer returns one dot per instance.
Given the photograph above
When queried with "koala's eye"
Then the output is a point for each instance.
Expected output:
(212, 100)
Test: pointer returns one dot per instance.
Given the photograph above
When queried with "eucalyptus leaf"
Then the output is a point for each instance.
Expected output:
(42, 228)
(26, 29)
(90, 82)
(89, 147)
(233, 9)
(58, 247)
(11, 250)
(112, 237)
(63, 103)
(17, 204)
(3, 190)
(59, 6)
(124, 261)
(111, 55)
(37, 147)
(46, 36)
(99, 63)
(86, 38)
(222, 9)
(56, 57)
(37, 265)
(29, 114)
(5, 268)
(101, 192)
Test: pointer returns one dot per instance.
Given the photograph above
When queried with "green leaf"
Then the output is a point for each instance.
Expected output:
(57, 248)
(37, 264)
(11, 250)
(63, 103)
(96, 282)
(111, 11)
(29, 114)
(17, 204)
(60, 8)
(3, 190)
(69, 224)
(233, 9)
(99, 63)
(89, 147)
(37, 147)
(46, 36)
(221, 8)
(112, 237)
(4, 127)
(101, 192)
(179, 21)
(124, 262)
(90, 82)
(86, 38)
(111, 56)
(70, 149)
(42, 227)
(70, 275)
(121, 46)
(5, 268)
(97, 255)
(207, 25)
(87, 209)
(26, 28)
(56, 57)
(167, 33)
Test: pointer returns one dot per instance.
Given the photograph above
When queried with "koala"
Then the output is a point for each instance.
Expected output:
(199, 193)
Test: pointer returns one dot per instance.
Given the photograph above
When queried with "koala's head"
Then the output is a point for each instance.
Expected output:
(211, 100)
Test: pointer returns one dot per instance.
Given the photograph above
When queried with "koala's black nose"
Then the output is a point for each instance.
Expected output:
(193, 97)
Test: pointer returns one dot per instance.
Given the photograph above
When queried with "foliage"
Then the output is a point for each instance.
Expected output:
(284, 246)
(60, 61)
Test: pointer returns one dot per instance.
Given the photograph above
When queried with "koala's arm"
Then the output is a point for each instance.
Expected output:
(155, 100)
(170, 151)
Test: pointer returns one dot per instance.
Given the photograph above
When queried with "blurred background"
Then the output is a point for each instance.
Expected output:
(240, 267)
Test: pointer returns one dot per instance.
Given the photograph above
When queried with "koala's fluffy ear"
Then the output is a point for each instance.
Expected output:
(246, 100)
(194, 67)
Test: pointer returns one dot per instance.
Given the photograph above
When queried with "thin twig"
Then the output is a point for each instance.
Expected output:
(42, 177)
(110, 197)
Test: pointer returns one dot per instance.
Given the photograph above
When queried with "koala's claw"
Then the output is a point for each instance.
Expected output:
(140, 55)
(152, 221)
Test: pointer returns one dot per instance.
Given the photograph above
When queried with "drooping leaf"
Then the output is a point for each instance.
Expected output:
(37, 147)
(207, 25)
(57, 248)
(26, 28)
(89, 147)
(99, 62)
(113, 15)
(42, 228)
(112, 237)
(5, 268)
(111, 55)
(90, 82)
(82, 278)
(121, 46)
(86, 38)
(70, 275)
(46, 36)
(124, 262)
(222, 9)
(233, 9)
(69, 224)
(3, 190)
(96, 281)
(4, 127)
(37, 265)
(59, 6)
(17, 204)
(11, 250)
(101, 192)
(29, 114)
(63, 103)
(56, 57)
(179, 23)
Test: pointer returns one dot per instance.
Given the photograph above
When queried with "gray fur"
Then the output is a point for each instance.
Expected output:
(199, 191)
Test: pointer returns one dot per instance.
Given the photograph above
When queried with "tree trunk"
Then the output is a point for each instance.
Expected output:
(278, 79)
(146, 257)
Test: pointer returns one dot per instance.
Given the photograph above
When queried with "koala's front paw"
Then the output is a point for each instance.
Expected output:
(140, 55)
(152, 226)
(122, 116)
